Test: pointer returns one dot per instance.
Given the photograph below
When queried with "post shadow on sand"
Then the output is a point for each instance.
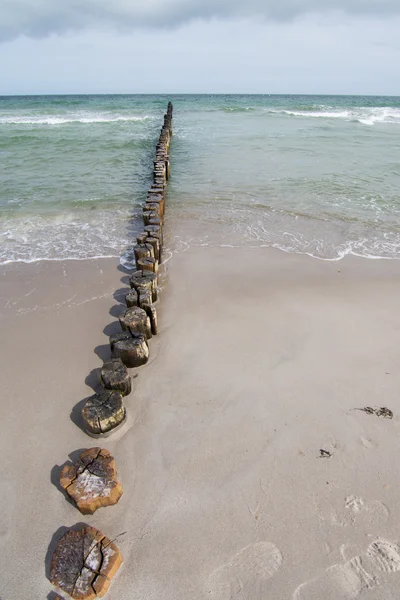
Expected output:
(52, 546)
(117, 310)
(76, 414)
(103, 351)
(56, 471)
(93, 379)
(112, 328)
(119, 295)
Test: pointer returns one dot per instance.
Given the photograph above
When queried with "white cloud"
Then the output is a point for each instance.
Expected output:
(39, 18)
(311, 55)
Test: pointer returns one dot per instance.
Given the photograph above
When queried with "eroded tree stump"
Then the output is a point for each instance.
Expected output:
(143, 251)
(145, 302)
(114, 376)
(131, 298)
(92, 481)
(132, 349)
(141, 238)
(153, 207)
(145, 298)
(103, 412)
(144, 280)
(147, 264)
(156, 247)
(154, 234)
(154, 229)
(155, 197)
(84, 563)
(135, 320)
(147, 216)
(154, 219)
(152, 314)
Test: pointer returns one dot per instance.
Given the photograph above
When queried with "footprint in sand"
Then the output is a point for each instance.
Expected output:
(386, 555)
(348, 580)
(354, 511)
(243, 576)
(365, 514)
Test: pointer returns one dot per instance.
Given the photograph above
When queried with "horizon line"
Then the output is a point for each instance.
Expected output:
(376, 95)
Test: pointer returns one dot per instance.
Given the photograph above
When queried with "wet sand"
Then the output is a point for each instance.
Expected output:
(261, 360)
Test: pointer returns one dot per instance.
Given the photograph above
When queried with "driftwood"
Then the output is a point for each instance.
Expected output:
(132, 349)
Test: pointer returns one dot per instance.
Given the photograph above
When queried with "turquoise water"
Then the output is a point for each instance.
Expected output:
(313, 174)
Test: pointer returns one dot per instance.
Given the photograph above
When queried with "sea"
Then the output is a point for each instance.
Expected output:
(318, 175)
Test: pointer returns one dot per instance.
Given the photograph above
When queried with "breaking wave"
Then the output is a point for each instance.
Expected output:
(59, 120)
(364, 115)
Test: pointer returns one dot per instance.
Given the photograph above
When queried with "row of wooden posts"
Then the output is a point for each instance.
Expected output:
(85, 560)
(105, 411)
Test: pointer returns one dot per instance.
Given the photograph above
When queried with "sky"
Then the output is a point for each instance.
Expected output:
(200, 46)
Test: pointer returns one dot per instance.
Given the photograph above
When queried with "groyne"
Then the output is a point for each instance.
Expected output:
(85, 560)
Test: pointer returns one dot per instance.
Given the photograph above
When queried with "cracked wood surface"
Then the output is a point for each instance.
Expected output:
(84, 562)
(92, 481)
(103, 411)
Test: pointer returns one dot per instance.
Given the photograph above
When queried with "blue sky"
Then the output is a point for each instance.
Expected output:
(178, 46)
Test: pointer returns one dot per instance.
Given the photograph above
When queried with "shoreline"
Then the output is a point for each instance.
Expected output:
(261, 359)
(170, 251)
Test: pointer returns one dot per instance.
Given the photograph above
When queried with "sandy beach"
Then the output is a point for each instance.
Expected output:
(262, 361)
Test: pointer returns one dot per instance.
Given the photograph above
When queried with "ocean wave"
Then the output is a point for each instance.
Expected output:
(58, 120)
(94, 234)
(364, 115)
(238, 108)
(325, 114)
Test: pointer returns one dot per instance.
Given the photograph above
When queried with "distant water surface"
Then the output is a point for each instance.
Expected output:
(311, 174)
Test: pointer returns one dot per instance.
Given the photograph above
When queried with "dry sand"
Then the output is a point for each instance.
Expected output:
(261, 360)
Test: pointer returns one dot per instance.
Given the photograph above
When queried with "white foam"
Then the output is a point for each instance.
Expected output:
(95, 234)
(364, 114)
(344, 114)
(58, 120)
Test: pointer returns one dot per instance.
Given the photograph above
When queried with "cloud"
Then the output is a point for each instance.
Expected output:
(39, 18)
